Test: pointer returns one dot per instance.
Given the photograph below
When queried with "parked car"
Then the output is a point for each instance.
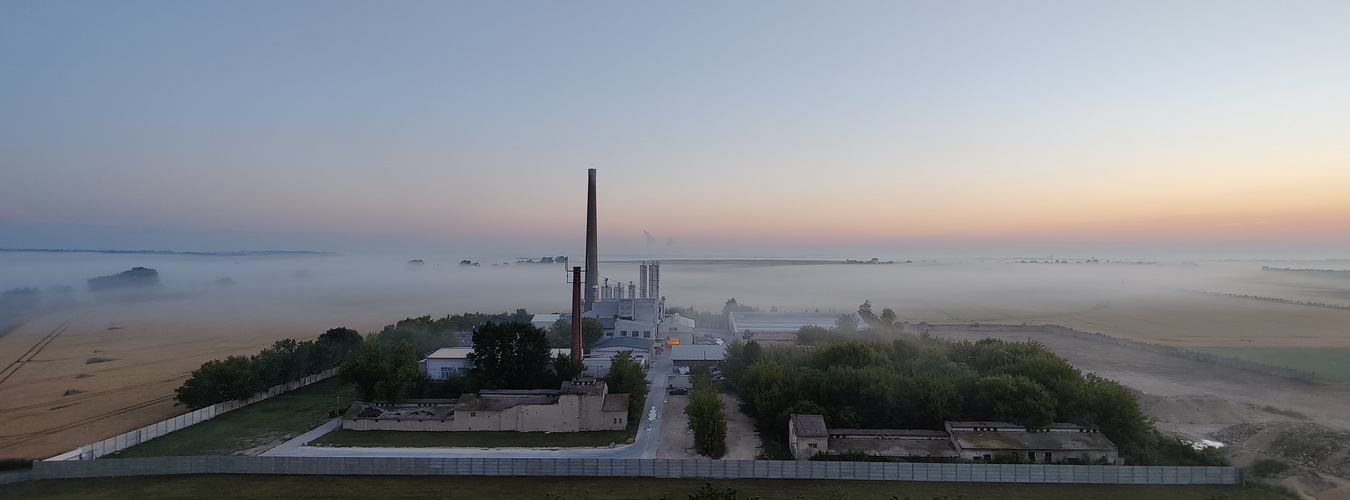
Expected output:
(679, 391)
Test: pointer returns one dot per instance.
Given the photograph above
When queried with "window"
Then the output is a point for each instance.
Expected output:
(813, 445)
(623, 333)
(447, 371)
(473, 414)
(646, 334)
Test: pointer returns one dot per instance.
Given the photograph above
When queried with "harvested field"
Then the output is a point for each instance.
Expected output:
(58, 400)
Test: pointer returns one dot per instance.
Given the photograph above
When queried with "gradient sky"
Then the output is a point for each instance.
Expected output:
(735, 128)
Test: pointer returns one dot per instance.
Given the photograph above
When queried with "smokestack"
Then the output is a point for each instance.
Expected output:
(632, 290)
(576, 313)
(656, 279)
(642, 279)
(592, 251)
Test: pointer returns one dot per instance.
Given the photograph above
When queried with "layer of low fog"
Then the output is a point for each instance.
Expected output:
(366, 292)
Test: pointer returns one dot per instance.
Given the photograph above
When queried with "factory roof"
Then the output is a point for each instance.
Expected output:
(742, 321)
(463, 352)
(683, 352)
(623, 344)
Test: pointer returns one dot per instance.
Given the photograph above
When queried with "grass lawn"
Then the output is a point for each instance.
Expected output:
(271, 421)
(1328, 363)
(486, 439)
(570, 488)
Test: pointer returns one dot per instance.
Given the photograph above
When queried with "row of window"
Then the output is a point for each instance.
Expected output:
(646, 334)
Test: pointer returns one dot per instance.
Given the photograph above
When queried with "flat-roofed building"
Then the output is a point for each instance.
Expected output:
(782, 327)
(1059, 442)
(697, 355)
(1056, 443)
(447, 361)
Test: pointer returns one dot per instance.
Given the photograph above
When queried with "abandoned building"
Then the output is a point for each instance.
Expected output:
(1057, 443)
(577, 406)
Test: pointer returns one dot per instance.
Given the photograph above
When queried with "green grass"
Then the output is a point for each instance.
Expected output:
(568, 488)
(505, 439)
(1330, 364)
(270, 421)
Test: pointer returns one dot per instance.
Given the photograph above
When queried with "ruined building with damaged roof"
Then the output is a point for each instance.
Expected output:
(1056, 443)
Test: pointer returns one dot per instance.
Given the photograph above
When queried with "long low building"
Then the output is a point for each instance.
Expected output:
(447, 361)
(782, 327)
(985, 441)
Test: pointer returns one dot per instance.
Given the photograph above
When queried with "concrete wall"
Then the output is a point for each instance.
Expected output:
(709, 469)
(138, 436)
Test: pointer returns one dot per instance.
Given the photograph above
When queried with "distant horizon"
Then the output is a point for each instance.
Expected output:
(1118, 129)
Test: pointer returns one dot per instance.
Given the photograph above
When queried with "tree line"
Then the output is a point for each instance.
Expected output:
(238, 377)
(921, 382)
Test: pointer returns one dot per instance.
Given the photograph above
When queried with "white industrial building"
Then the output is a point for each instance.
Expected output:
(447, 361)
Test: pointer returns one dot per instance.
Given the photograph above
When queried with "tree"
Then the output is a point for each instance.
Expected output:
(706, 418)
(400, 374)
(1016, 399)
(888, 316)
(366, 370)
(865, 310)
(627, 376)
(560, 333)
(846, 324)
(567, 367)
(511, 355)
(218, 381)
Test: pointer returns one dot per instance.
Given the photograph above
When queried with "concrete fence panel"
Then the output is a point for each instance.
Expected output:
(702, 469)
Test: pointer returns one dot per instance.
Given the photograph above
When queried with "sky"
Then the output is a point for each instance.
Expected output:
(774, 129)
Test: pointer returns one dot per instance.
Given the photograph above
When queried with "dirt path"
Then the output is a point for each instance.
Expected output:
(677, 442)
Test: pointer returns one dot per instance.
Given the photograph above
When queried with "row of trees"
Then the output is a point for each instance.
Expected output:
(919, 383)
(706, 418)
(238, 377)
(425, 334)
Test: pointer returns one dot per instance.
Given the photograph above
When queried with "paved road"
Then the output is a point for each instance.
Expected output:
(644, 446)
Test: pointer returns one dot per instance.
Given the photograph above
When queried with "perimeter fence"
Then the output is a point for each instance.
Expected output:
(586, 467)
(126, 440)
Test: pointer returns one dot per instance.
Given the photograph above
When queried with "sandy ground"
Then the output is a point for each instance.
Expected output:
(677, 441)
(1201, 400)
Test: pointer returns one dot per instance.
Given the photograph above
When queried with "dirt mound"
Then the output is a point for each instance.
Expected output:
(1310, 445)
(1204, 409)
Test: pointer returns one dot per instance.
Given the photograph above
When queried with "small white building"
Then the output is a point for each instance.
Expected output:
(446, 361)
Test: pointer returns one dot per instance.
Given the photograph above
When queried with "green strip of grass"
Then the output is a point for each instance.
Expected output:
(1328, 363)
(506, 439)
(268, 422)
(570, 488)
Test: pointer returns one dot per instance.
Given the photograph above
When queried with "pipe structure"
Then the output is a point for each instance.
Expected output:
(576, 313)
(592, 250)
